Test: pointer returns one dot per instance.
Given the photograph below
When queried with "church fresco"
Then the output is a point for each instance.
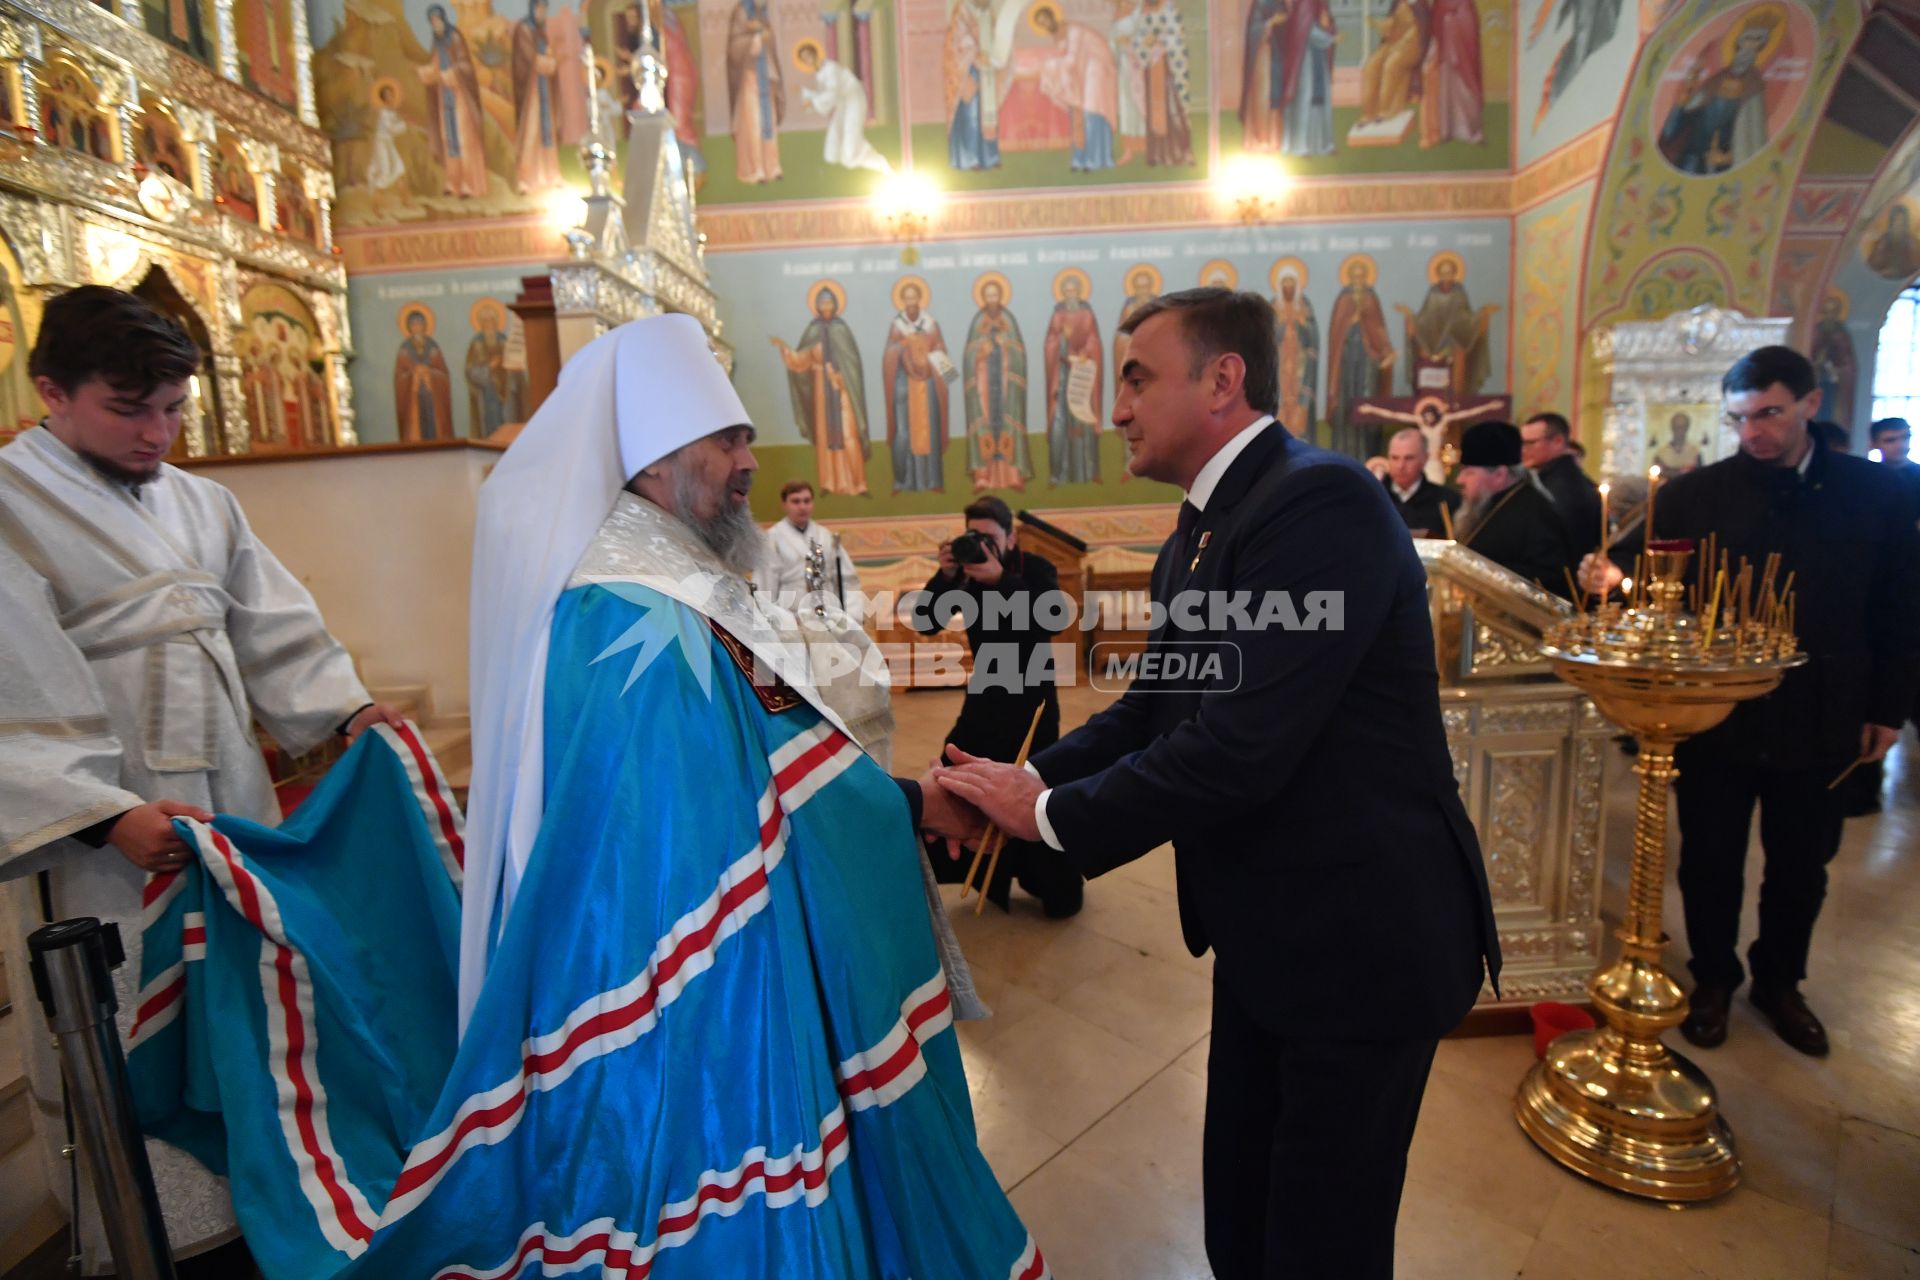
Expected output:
(1575, 56)
(829, 348)
(1366, 86)
(286, 401)
(263, 32)
(438, 356)
(20, 406)
(1713, 129)
(1730, 89)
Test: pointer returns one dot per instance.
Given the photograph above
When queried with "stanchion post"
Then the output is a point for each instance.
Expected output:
(72, 965)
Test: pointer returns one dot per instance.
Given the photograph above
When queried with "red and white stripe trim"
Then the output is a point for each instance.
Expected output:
(1030, 1265)
(193, 936)
(345, 1218)
(617, 1018)
(159, 1000)
(435, 797)
(799, 1176)
(883, 1073)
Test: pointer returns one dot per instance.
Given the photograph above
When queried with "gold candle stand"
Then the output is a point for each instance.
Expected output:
(1613, 1103)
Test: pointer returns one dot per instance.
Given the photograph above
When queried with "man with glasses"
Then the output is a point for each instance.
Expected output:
(1846, 534)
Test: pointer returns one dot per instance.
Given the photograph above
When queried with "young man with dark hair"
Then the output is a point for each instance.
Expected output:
(1001, 593)
(1846, 535)
(1546, 446)
(147, 629)
(797, 540)
(1264, 778)
(1893, 438)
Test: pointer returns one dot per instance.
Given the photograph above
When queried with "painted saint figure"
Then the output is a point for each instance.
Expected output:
(838, 95)
(1143, 286)
(1150, 45)
(1390, 76)
(1263, 77)
(972, 84)
(1720, 122)
(536, 153)
(1447, 339)
(913, 370)
(1081, 77)
(756, 93)
(385, 164)
(830, 394)
(422, 387)
(1836, 366)
(1678, 455)
(453, 109)
(1297, 331)
(178, 22)
(19, 403)
(1072, 350)
(266, 49)
(495, 394)
(1359, 357)
(1895, 254)
(1453, 90)
(1308, 35)
(995, 360)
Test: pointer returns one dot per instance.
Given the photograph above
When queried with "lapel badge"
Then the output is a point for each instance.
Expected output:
(1206, 536)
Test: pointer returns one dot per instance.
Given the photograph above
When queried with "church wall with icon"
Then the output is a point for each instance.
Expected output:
(990, 364)
(438, 355)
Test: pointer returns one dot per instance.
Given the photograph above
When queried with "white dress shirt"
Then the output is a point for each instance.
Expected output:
(1204, 483)
(782, 577)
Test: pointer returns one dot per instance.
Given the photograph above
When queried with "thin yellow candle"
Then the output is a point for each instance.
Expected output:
(1713, 611)
(1653, 488)
(1605, 528)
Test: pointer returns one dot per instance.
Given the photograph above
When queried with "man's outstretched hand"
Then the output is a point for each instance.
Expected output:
(1005, 793)
(947, 816)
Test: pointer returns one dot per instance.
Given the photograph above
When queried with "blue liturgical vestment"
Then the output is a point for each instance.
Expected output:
(714, 1038)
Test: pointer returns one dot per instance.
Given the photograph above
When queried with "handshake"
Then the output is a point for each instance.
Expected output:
(961, 797)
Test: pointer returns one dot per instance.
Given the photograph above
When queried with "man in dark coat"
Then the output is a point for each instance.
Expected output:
(1546, 446)
(1508, 517)
(1004, 601)
(1419, 500)
(1846, 534)
(1349, 933)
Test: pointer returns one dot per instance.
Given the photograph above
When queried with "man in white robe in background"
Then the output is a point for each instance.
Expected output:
(782, 574)
(146, 629)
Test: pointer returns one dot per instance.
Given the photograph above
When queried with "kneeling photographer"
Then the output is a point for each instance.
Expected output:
(1001, 593)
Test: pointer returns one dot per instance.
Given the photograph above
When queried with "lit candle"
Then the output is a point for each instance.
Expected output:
(1605, 528)
(1653, 488)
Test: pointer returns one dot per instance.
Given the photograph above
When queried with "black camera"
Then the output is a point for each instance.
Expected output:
(972, 548)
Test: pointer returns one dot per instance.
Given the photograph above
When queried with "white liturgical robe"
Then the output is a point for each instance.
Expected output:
(782, 574)
(146, 630)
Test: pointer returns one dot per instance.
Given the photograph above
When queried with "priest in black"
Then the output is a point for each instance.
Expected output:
(1508, 517)
(1419, 500)
(1349, 934)
(1846, 533)
(1546, 446)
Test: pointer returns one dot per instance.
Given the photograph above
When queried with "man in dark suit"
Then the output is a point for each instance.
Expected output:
(1546, 446)
(1419, 500)
(1508, 517)
(1003, 597)
(1349, 931)
(1845, 533)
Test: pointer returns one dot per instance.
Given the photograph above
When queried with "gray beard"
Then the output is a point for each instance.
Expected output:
(731, 534)
(1472, 513)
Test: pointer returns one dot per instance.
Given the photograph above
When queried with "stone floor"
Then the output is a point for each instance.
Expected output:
(1089, 1082)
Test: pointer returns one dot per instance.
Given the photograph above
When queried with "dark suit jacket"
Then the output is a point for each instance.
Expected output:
(1000, 695)
(1846, 532)
(1319, 840)
(1422, 510)
(1577, 498)
(1522, 532)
